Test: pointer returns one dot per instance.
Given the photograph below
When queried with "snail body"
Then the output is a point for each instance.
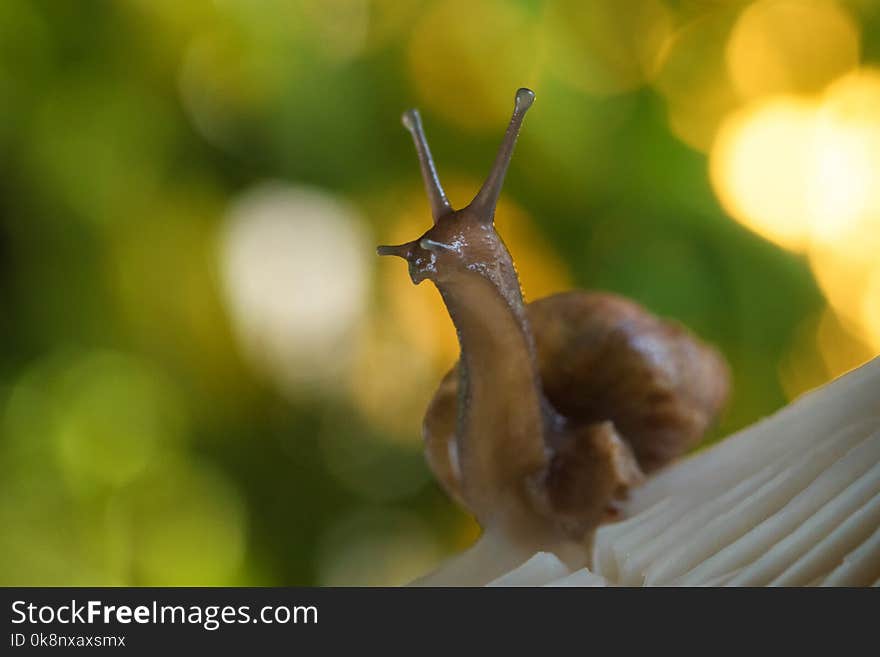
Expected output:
(556, 408)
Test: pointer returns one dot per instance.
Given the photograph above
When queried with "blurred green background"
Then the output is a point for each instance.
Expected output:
(207, 377)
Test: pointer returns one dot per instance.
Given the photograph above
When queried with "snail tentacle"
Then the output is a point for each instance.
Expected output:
(440, 206)
(486, 199)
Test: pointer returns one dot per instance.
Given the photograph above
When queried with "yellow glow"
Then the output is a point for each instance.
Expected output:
(847, 213)
(842, 279)
(693, 78)
(871, 309)
(418, 311)
(606, 47)
(391, 381)
(390, 390)
(791, 46)
(760, 168)
(541, 271)
(469, 531)
(805, 174)
(465, 58)
(840, 345)
(846, 244)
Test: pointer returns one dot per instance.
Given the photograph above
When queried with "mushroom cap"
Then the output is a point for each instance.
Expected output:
(604, 358)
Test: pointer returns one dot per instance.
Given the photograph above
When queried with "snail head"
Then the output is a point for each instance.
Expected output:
(461, 241)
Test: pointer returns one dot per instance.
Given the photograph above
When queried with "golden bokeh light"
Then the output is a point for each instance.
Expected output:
(605, 47)
(842, 279)
(804, 172)
(693, 78)
(760, 168)
(871, 309)
(791, 46)
(392, 379)
(843, 254)
(848, 134)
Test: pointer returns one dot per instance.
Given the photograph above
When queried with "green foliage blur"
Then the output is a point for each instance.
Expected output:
(162, 423)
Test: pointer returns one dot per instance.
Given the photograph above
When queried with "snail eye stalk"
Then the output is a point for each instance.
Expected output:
(484, 202)
(440, 205)
(399, 250)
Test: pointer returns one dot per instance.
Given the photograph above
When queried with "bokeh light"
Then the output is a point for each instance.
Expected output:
(295, 273)
(693, 78)
(791, 46)
(114, 417)
(804, 172)
(871, 309)
(762, 168)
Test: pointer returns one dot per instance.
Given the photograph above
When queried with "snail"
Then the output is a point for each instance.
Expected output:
(557, 407)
